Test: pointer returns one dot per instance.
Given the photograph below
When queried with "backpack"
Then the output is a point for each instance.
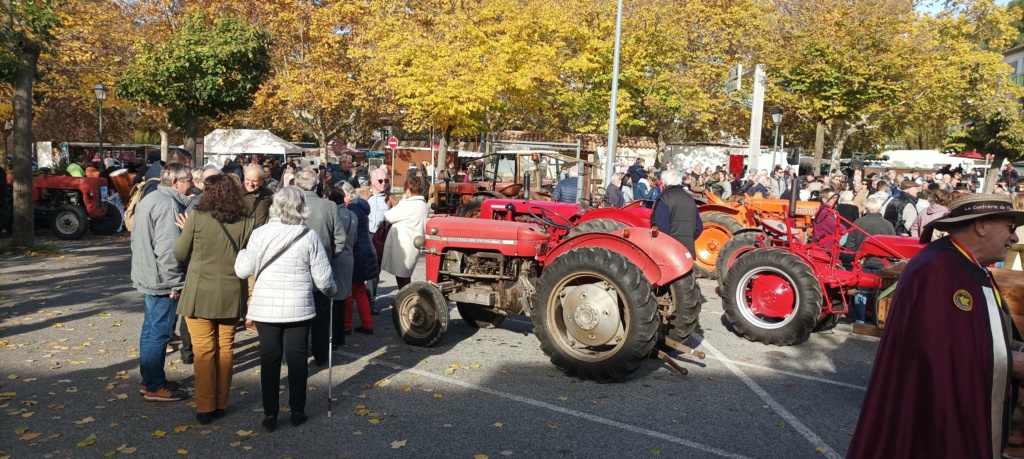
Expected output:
(133, 200)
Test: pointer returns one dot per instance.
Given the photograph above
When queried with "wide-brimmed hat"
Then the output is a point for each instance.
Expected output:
(971, 207)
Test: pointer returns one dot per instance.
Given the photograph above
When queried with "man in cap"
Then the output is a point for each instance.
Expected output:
(941, 382)
(902, 208)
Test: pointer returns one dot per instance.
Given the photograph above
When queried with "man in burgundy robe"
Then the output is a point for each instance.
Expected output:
(941, 385)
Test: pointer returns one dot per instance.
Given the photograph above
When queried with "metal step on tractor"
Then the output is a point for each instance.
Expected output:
(601, 302)
(783, 288)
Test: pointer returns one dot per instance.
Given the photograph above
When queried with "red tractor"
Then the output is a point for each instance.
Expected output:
(600, 301)
(71, 205)
(782, 289)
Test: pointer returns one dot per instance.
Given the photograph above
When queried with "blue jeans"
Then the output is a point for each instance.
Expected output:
(157, 330)
(860, 302)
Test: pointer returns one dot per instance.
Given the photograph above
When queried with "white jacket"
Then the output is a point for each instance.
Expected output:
(408, 219)
(284, 290)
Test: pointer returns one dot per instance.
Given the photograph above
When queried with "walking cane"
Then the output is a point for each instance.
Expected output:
(330, 358)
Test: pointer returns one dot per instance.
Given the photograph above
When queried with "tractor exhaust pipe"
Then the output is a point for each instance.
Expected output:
(526, 186)
(794, 192)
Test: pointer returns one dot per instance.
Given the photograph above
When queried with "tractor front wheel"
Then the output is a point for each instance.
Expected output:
(683, 296)
(771, 296)
(479, 317)
(718, 229)
(471, 209)
(420, 314)
(595, 314)
(69, 222)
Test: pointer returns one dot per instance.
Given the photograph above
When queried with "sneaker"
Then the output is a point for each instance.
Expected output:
(169, 349)
(297, 419)
(362, 330)
(858, 322)
(172, 385)
(176, 339)
(165, 395)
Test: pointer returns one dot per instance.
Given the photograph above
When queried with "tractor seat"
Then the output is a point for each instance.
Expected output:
(512, 191)
(779, 227)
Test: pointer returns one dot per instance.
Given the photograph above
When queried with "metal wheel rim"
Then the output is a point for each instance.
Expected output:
(707, 253)
(67, 222)
(558, 328)
(417, 320)
(745, 308)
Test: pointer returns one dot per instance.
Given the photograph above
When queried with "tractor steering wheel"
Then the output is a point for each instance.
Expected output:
(547, 218)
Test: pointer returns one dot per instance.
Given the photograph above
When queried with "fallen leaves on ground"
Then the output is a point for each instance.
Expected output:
(398, 444)
(498, 424)
(91, 439)
(159, 434)
(29, 436)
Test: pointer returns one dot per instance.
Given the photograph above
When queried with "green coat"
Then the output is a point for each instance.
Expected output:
(212, 290)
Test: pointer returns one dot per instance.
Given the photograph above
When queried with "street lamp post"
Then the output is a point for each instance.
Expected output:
(777, 119)
(101, 95)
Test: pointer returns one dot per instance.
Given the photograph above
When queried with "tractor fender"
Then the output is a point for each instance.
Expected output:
(626, 217)
(661, 258)
(488, 195)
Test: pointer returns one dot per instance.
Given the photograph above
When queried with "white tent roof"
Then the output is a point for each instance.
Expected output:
(246, 141)
(931, 159)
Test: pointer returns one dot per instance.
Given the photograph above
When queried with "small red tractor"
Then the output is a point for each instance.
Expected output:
(600, 301)
(782, 289)
(731, 226)
(71, 205)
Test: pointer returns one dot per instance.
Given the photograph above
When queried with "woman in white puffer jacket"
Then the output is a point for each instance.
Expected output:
(281, 307)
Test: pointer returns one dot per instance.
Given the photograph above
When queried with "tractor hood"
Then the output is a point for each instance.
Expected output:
(510, 238)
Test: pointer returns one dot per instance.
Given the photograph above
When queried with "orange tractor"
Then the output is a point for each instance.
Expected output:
(730, 227)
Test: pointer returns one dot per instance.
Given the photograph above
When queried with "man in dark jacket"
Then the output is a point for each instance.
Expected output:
(902, 209)
(323, 220)
(636, 172)
(565, 191)
(613, 194)
(870, 224)
(257, 197)
(675, 212)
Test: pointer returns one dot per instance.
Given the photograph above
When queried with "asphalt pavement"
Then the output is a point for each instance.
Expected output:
(69, 336)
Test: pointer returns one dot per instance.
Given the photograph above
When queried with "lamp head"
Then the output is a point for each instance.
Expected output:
(776, 115)
(101, 91)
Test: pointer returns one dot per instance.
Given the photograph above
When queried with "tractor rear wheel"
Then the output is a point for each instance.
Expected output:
(735, 248)
(595, 314)
(420, 314)
(718, 229)
(684, 295)
(471, 209)
(600, 225)
(479, 317)
(69, 222)
(771, 296)
(108, 223)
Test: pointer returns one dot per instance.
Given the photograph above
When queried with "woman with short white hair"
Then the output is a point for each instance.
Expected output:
(288, 261)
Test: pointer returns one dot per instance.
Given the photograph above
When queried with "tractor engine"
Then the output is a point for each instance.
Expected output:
(487, 279)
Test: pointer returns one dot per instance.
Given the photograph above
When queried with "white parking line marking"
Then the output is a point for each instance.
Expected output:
(807, 433)
(759, 367)
(789, 373)
(565, 411)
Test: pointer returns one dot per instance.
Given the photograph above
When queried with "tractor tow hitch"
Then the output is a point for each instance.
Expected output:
(665, 357)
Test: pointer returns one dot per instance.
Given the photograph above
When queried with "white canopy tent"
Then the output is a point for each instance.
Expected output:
(226, 143)
(925, 159)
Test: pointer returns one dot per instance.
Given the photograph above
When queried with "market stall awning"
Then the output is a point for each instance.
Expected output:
(246, 142)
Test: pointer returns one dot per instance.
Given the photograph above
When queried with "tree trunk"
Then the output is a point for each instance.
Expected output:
(992, 176)
(837, 153)
(164, 142)
(819, 148)
(191, 130)
(659, 155)
(442, 149)
(27, 53)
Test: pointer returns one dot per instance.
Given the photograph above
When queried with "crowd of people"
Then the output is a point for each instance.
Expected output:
(219, 248)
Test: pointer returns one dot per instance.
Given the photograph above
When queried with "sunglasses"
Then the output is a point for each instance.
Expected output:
(383, 180)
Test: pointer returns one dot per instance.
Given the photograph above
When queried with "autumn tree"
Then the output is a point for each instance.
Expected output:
(26, 30)
(204, 69)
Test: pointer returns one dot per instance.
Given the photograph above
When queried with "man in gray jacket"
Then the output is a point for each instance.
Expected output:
(323, 219)
(159, 277)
